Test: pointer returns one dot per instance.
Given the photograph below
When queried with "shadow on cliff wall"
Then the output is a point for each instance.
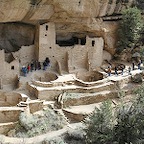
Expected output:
(15, 35)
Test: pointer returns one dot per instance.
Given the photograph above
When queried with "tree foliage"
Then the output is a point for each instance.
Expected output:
(125, 126)
(140, 4)
(130, 28)
(100, 125)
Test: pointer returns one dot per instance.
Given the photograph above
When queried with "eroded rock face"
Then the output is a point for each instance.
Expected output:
(75, 17)
(15, 35)
(34, 10)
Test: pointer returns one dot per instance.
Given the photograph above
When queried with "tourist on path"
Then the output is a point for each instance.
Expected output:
(133, 65)
(24, 71)
(116, 70)
(28, 68)
(36, 65)
(109, 70)
(129, 70)
(32, 66)
(44, 65)
(139, 65)
(122, 71)
(39, 66)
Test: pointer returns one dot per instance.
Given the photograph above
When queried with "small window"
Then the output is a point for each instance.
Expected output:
(93, 43)
(83, 41)
(45, 34)
(46, 27)
(12, 67)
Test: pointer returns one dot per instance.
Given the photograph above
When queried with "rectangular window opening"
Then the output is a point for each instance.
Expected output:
(12, 67)
(93, 43)
(46, 27)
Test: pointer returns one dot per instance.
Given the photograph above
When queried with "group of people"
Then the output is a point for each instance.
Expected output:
(115, 70)
(35, 65)
(122, 68)
(138, 65)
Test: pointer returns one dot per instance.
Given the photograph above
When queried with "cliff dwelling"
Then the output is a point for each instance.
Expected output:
(77, 75)
(59, 63)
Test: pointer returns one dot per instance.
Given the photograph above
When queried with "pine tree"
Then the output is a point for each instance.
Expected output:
(99, 126)
(130, 28)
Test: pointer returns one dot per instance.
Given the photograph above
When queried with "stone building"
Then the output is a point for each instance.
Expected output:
(82, 54)
(9, 70)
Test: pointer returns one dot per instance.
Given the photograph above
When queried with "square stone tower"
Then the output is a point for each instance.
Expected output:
(46, 40)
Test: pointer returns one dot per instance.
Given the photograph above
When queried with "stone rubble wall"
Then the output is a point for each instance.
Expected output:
(9, 98)
(26, 55)
(8, 71)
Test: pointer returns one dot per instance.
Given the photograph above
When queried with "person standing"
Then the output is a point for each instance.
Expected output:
(122, 70)
(139, 64)
(47, 61)
(24, 70)
(39, 65)
(129, 70)
(133, 65)
(35, 65)
(116, 71)
(109, 70)
(44, 65)
(32, 66)
(28, 68)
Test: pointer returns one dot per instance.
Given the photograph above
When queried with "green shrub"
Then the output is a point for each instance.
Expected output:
(32, 125)
(130, 121)
(125, 126)
(57, 140)
(99, 126)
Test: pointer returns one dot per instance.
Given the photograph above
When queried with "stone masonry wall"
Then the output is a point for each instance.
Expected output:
(70, 58)
(26, 54)
(8, 71)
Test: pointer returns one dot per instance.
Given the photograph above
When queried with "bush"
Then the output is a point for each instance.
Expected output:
(32, 125)
(75, 136)
(57, 140)
(126, 126)
(99, 125)
(130, 121)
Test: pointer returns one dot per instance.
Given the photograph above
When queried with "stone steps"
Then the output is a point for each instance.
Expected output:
(60, 111)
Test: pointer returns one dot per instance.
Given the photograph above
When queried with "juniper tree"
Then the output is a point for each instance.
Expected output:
(130, 28)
